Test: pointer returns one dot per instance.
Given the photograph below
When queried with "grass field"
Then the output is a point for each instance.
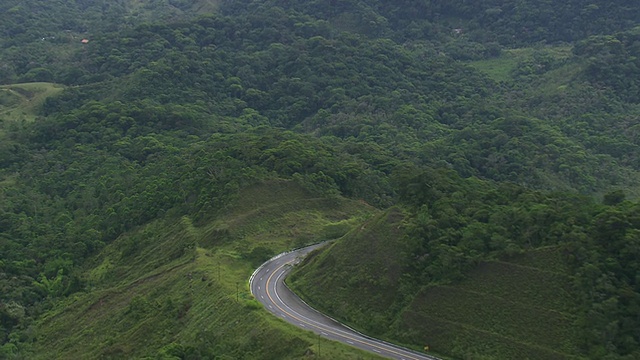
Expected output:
(502, 67)
(357, 278)
(23, 101)
(521, 308)
(170, 289)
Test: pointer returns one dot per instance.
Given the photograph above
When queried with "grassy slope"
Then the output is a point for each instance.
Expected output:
(23, 101)
(357, 278)
(502, 68)
(503, 310)
(520, 308)
(171, 287)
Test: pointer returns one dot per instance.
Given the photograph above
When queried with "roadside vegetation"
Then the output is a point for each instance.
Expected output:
(174, 289)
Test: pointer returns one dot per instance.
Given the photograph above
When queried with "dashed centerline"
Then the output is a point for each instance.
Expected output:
(283, 312)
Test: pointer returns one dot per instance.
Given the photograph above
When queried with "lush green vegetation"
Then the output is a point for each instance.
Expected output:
(491, 126)
(22, 102)
(173, 288)
(478, 269)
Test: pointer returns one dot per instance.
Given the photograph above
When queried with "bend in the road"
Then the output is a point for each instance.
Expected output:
(267, 286)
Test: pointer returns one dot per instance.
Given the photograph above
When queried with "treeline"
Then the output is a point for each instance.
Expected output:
(612, 61)
(86, 177)
(36, 36)
(461, 223)
(39, 39)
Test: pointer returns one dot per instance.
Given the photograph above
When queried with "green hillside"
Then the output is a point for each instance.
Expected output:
(478, 271)
(520, 308)
(364, 267)
(24, 101)
(171, 289)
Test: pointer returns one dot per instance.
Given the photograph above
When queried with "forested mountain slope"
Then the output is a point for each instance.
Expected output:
(478, 270)
(506, 22)
(172, 107)
(412, 100)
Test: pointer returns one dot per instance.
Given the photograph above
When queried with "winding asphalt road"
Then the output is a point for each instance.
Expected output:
(267, 285)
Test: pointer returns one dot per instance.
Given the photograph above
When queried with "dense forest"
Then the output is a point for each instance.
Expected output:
(499, 127)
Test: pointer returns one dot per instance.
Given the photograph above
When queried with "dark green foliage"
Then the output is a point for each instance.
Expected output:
(612, 61)
(459, 231)
(508, 22)
(597, 242)
(309, 76)
(614, 197)
(258, 255)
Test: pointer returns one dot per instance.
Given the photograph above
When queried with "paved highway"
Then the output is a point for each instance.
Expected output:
(267, 286)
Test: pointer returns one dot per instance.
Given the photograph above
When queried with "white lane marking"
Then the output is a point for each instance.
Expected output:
(258, 287)
(262, 296)
(313, 323)
(271, 307)
(324, 333)
(260, 278)
(378, 351)
(301, 324)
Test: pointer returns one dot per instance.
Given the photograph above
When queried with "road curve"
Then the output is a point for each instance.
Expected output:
(267, 286)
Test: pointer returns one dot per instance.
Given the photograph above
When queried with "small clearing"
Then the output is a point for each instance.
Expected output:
(22, 102)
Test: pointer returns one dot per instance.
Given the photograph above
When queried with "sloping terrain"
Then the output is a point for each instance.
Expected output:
(358, 277)
(170, 288)
(24, 101)
(521, 307)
